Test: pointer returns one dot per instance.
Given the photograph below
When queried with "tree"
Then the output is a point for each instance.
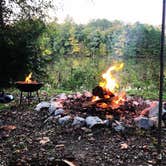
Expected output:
(100, 24)
(142, 40)
(14, 10)
(21, 51)
(21, 24)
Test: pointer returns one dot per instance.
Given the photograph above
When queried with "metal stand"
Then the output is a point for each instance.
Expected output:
(29, 95)
(161, 83)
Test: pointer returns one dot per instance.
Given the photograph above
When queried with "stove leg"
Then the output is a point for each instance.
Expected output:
(20, 97)
(38, 96)
(29, 95)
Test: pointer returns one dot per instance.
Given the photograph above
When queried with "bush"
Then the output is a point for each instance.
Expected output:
(21, 51)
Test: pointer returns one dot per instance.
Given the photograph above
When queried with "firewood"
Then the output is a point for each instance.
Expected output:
(102, 93)
(98, 91)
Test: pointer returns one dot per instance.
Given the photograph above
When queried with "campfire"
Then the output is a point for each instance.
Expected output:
(105, 95)
(107, 105)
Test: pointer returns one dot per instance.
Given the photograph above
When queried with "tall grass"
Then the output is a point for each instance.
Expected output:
(138, 77)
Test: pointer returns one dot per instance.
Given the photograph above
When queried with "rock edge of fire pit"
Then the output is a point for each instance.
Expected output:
(66, 108)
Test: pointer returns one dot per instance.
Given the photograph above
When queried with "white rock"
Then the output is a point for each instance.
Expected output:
(155, 109)
(70, 96)
(62, 96)
(148, 102)
(41, 105)
(54, 106)
(135, 103)
(10, 97)
(88, 94)
(78, 95)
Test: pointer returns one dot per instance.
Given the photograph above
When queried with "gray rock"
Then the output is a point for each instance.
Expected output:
(143, 122)
(52, 118)
(107, 122)
(118, 126)
(64, 120)
(59, 111)
(78, 121)
(154, 121)
(92, 121)
(41, 105)
(155, 109)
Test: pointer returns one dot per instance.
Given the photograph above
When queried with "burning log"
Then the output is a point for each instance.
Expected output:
(100, 92)
(101, 97)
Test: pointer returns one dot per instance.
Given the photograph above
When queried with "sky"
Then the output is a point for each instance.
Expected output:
(128, 11)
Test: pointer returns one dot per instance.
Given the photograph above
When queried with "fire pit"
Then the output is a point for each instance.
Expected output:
(28, 86)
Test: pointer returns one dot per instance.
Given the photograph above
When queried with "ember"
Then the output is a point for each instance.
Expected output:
(105, 92)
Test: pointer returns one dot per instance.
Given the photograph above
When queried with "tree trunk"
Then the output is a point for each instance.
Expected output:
(1, 14)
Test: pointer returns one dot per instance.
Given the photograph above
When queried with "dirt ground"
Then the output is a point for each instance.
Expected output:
(26, 140)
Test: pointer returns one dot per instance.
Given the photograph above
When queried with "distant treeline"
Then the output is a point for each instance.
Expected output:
(30, 45)
(101, 38)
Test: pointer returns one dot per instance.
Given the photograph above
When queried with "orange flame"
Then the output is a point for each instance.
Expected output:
(95, 98)
(28, 78)
(102, 105)
(118, 100)
(109, 82)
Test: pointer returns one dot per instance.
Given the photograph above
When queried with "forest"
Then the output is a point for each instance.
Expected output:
(71, 57)
(72, 119)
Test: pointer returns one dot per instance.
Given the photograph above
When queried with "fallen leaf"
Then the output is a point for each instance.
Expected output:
(8, 127)
(60, 146)
(123, 146)
(44, 140)
(69, 163)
